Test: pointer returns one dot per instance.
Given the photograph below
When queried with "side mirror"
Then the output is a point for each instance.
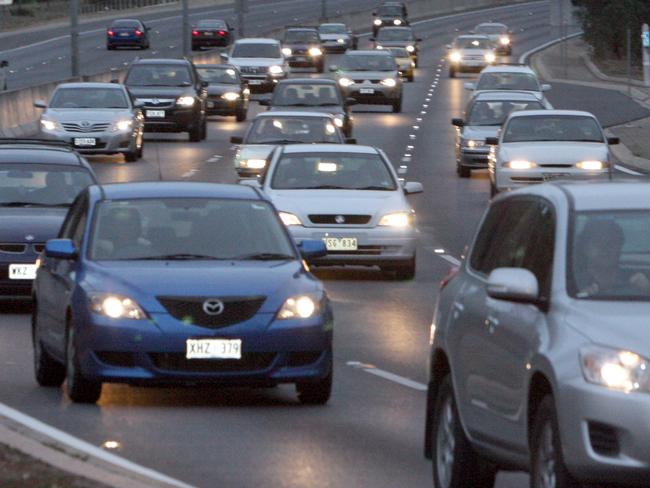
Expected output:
(492, 141)
(40, 104)
(4, 63)
(224, 57)
(204, 84)
(546, 87)
(351, 140)
(613, 141)
(350, 101)
(457, 122)
(60, 249)
(237, 140)
(312, 249)
(514, 285)
(264, 103)
(333, 67)
(372, 39)
(412, 187)
(470, 86)
(374, 14)
(418, 39)
(253, 182)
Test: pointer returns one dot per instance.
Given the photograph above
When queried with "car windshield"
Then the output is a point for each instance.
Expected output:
(390, 11)
(508, 81)
(496, 112)
(368, 62)
(388, 34)
(491, 29)
(89, 98)
(126, 24)
(567, 128)
(472, 43)
(261, 50)
(187, 228)
(303, 94)
(332, 29)
(305, 36)
(332, 171)
(226, 76)
(211, 24)
(24, 185)
(268, 130)
(609, 256)
(159, 75)
(399, 52)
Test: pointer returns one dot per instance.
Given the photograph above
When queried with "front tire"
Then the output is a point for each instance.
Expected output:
(452, 73)
(397, 105)
(79, 389)
(455, 463)
(194, 134)
(241, 114)
(47, 370)
(317, 393)
(464, 171)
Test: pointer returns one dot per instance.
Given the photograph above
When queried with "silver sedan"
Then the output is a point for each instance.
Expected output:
(540, 358)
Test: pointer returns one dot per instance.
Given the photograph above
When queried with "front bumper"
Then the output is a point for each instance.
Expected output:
(474, 158)
(378, 246)
(262, 83)
(175, 119)
(373, 93)
(107, 142)
(584, 410)
(468, 66)
(219, 106)
(509, 179)
(128, 41)
(153, 352)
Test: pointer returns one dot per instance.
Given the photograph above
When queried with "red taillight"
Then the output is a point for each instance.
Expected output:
(110, 33)
(138, 33)
(195, 33)
(445, 281)
(222, 33)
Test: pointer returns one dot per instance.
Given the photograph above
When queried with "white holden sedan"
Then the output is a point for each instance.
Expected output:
(535, 146)
(350, 197)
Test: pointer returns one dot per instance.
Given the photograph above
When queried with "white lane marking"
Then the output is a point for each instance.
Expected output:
(440, 252)
(369, 368)
(627, 170)
(189, 174)
(215, 158)
(86, 447)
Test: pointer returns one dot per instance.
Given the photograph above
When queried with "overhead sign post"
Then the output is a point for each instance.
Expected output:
(4, 3)
(645, 41)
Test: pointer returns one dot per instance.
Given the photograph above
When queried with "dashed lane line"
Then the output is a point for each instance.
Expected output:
(401, 380)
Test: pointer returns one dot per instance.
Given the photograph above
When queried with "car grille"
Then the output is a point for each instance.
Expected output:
(74, 127)
(190, 310)
(554, 165)
(339, 219)
(251, 361)
(157, 102)
(474, 57)
(603, 438)
(365, 82)
(299, 51)
(253, 70)
(13, 248)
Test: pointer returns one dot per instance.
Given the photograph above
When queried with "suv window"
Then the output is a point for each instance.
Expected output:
(159, 75)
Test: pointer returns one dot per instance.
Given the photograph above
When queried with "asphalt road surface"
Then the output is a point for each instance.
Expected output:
(371, 432)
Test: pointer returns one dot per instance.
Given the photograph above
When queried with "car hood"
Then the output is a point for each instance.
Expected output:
(369, 75)
(255, 151)
(160, 91)
(87, 115)
(145, 280)
(480, 132)
(40, 222)
(554, 152)
(619, 325)
(241, 62)
(329, 109)
(220, 89)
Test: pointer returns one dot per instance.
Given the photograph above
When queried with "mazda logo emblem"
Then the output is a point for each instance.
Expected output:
(213, 306)
(339, 219)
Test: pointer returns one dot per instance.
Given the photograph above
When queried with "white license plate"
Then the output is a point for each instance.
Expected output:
(22, 271)
(367, 91)
(254, 82)
(213, 349)
(341, 244)
(210, 104)
(555, 176)
(208, 34)
(85, 141)
(124, 34)
(155, 114)
(300, 58)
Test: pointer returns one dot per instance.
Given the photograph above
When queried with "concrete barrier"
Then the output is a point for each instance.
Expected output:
(19, 117)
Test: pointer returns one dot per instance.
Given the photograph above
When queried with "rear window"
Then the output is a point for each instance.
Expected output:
(496, 112)
(126, 24)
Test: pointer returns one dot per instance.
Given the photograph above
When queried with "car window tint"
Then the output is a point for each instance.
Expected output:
(491, 29)
(540, 247)
(68, 226)
(159, 75)
(496, 112)
(211, 24)
(262, 50)
(306, 94)
(508, 81)
(292, 129)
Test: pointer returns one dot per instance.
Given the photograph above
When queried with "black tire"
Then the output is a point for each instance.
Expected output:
(320, 68)
(452, 73)
(241, 114)
(47, 370)
(79, 389)
(397, 105)
(130, 156)
(493, 190)
(140, 150)
(204, 129)
(194, 134)
(459, 466)
(317, 393)
(464, 171)
(545, 442)
(410, 78)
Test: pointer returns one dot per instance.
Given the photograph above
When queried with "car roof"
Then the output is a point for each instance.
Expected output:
(329, 148)
(35, 152)
(113, 86)
(372, 52)
(293, 113)
(257, 40)
(183, 189)
(307, 81)
(561, 113)
(490, 24)
(332, 23)
(505, 95)
(311, 29)
(593, 195)
(508, 69)
(161, 61)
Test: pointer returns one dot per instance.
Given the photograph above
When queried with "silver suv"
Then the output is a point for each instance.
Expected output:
(540, 358)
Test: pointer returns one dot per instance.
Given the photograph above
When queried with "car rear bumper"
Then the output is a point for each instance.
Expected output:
(474, 159)
(11, 289)
(381, 95)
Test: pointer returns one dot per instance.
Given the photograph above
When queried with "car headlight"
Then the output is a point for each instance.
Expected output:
(410, 48)
(504, 40)
(286, 51)
(116, 306)
(315, 52)
(230, 96)
(590, 165)
(377, 22)
(338, 121)
(397, 219)
(472, 144)
(252, 163)
(299, 307)
(276, 70)
(455, 57)
(49, 124)
(397, 22)
(346, 82)
(490, 57)
(123, 125)
(185, 101)
(519, 164)
(615, 369)
(289, 219)
(340, 41)
(389, 82)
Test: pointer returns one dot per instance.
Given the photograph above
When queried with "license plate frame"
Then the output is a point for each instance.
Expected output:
(85, 141)
(255, 82)
(154, 114)
(367, 91)
(555, 176)
(22, 271)
(213, 349)
(341, 243)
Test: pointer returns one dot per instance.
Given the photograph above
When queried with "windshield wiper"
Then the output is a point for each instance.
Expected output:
(282, 141)
(375, 187)
(177, 257)
(328, 104)
(325, 187)
(264, 256)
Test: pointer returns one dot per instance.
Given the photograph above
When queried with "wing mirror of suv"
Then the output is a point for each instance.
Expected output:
(492, 141)
(237, 140)
(334, 67)
(224, 57)
(613, 141)
(60, 249)
(514, 285)
(469, 86)
(546, 87)
(40, 104)
(457, 122)
(412, 187)
(312, 248)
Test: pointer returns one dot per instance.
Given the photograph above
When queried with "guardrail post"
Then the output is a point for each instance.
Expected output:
(645, 41)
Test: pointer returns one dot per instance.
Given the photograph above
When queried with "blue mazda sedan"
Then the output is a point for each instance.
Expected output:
(179, 283)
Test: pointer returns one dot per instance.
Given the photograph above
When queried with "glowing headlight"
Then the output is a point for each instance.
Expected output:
(315, 51)
(338, 121)
(299, 307)
(230, 96)
(289, 219)
(286, 51)
(410, 48)
(490, 57)
(519, 164)
(470, 143)
(397, 22)
(123, 125)
(252, 163)
(591, 165)
(116, 306)
(504, 41)
(276, 70)
(398, 219)
(389, 82)
(379, 47)
(48, 124)
(346, 82)
(340, 41)
(455, 56)
(185, 101)
(619, 370)
(377, 22)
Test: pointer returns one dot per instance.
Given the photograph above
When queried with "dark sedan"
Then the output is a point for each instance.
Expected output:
(127, 33)
(211, 33)
(228, 93)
